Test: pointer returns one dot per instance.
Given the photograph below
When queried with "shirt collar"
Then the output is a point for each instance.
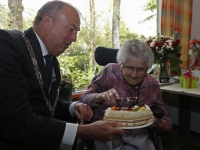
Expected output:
(43, 48)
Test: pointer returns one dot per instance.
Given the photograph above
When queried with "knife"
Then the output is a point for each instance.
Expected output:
(128, 99)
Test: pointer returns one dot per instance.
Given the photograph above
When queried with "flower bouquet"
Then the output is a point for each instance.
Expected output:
(194, 53)
(166, 49)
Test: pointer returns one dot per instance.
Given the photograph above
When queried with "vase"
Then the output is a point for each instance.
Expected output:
(156, 71)
(164, 75)
(65, 94)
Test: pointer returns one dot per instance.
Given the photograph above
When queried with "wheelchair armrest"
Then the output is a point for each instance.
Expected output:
(157, 139)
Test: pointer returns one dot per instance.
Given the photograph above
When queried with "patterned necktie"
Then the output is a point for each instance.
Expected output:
(49, 67)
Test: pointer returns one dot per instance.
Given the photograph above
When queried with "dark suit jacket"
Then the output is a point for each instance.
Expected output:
(25, 120)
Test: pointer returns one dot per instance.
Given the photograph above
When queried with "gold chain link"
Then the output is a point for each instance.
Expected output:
(39, 77)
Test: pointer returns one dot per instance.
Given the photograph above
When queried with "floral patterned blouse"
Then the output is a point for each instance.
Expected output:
(111, 77)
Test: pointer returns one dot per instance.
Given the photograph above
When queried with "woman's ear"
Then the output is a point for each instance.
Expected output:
(121, 67)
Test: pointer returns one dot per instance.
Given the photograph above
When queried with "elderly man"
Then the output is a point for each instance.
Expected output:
(31, 114)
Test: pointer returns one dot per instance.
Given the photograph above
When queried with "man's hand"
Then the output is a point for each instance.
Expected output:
(101, 130)
(83, 112)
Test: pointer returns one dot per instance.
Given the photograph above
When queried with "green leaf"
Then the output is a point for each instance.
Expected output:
(178, 49)
(172, 56)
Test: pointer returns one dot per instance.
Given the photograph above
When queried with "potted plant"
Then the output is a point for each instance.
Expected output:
(66, 86)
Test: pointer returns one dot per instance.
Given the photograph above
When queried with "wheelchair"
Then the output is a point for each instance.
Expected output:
(103, 56)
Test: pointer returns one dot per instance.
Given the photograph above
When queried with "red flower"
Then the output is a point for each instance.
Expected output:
(194, 41)
(176, 42)
(64, 79)
(159, 44)
(178, 55)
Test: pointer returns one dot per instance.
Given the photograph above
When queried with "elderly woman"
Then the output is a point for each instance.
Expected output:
(127, 78)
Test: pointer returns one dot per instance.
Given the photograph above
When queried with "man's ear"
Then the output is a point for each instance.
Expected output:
(47, 20)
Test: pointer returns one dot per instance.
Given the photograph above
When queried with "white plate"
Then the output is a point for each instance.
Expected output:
(137, 127)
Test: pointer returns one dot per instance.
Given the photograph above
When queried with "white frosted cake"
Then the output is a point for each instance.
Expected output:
(130, 116)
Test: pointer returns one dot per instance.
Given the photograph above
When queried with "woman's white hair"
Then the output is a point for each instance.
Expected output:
(137, 49)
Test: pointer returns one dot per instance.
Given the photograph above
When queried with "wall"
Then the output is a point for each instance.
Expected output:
(195, 31)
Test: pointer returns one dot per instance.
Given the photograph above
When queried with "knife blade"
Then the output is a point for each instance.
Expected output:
(128, 99)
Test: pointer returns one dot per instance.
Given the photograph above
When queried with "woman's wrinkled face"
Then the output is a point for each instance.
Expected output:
(62, 31)
(134, 70)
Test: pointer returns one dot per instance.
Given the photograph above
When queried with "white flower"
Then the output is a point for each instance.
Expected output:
(169, 41)
(152, 44)
(168, 47)
(155, 38)
(162, 36)
(161, 51)
(164, 46)
(198, 46)
(190, 52)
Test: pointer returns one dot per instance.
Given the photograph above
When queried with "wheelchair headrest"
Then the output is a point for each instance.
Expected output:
(104, 55)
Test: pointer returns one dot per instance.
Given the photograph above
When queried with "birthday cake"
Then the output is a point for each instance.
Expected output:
(130, 116)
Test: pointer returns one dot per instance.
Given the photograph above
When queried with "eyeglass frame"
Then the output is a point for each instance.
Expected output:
(132, 69)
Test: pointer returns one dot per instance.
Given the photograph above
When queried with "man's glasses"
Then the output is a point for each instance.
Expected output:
(131, 69)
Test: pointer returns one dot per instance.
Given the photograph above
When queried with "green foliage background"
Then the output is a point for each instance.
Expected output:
(76, 60)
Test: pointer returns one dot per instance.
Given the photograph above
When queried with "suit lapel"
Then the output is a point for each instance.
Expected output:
(38, 54)
(40, 60)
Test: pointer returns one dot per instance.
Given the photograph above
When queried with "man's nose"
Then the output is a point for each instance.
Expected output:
(74, 36)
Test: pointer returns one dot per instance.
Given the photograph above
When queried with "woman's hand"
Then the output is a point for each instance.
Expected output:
(109, 97)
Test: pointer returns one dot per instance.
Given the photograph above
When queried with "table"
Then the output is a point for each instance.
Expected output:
(175, 88)
(185, 96)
